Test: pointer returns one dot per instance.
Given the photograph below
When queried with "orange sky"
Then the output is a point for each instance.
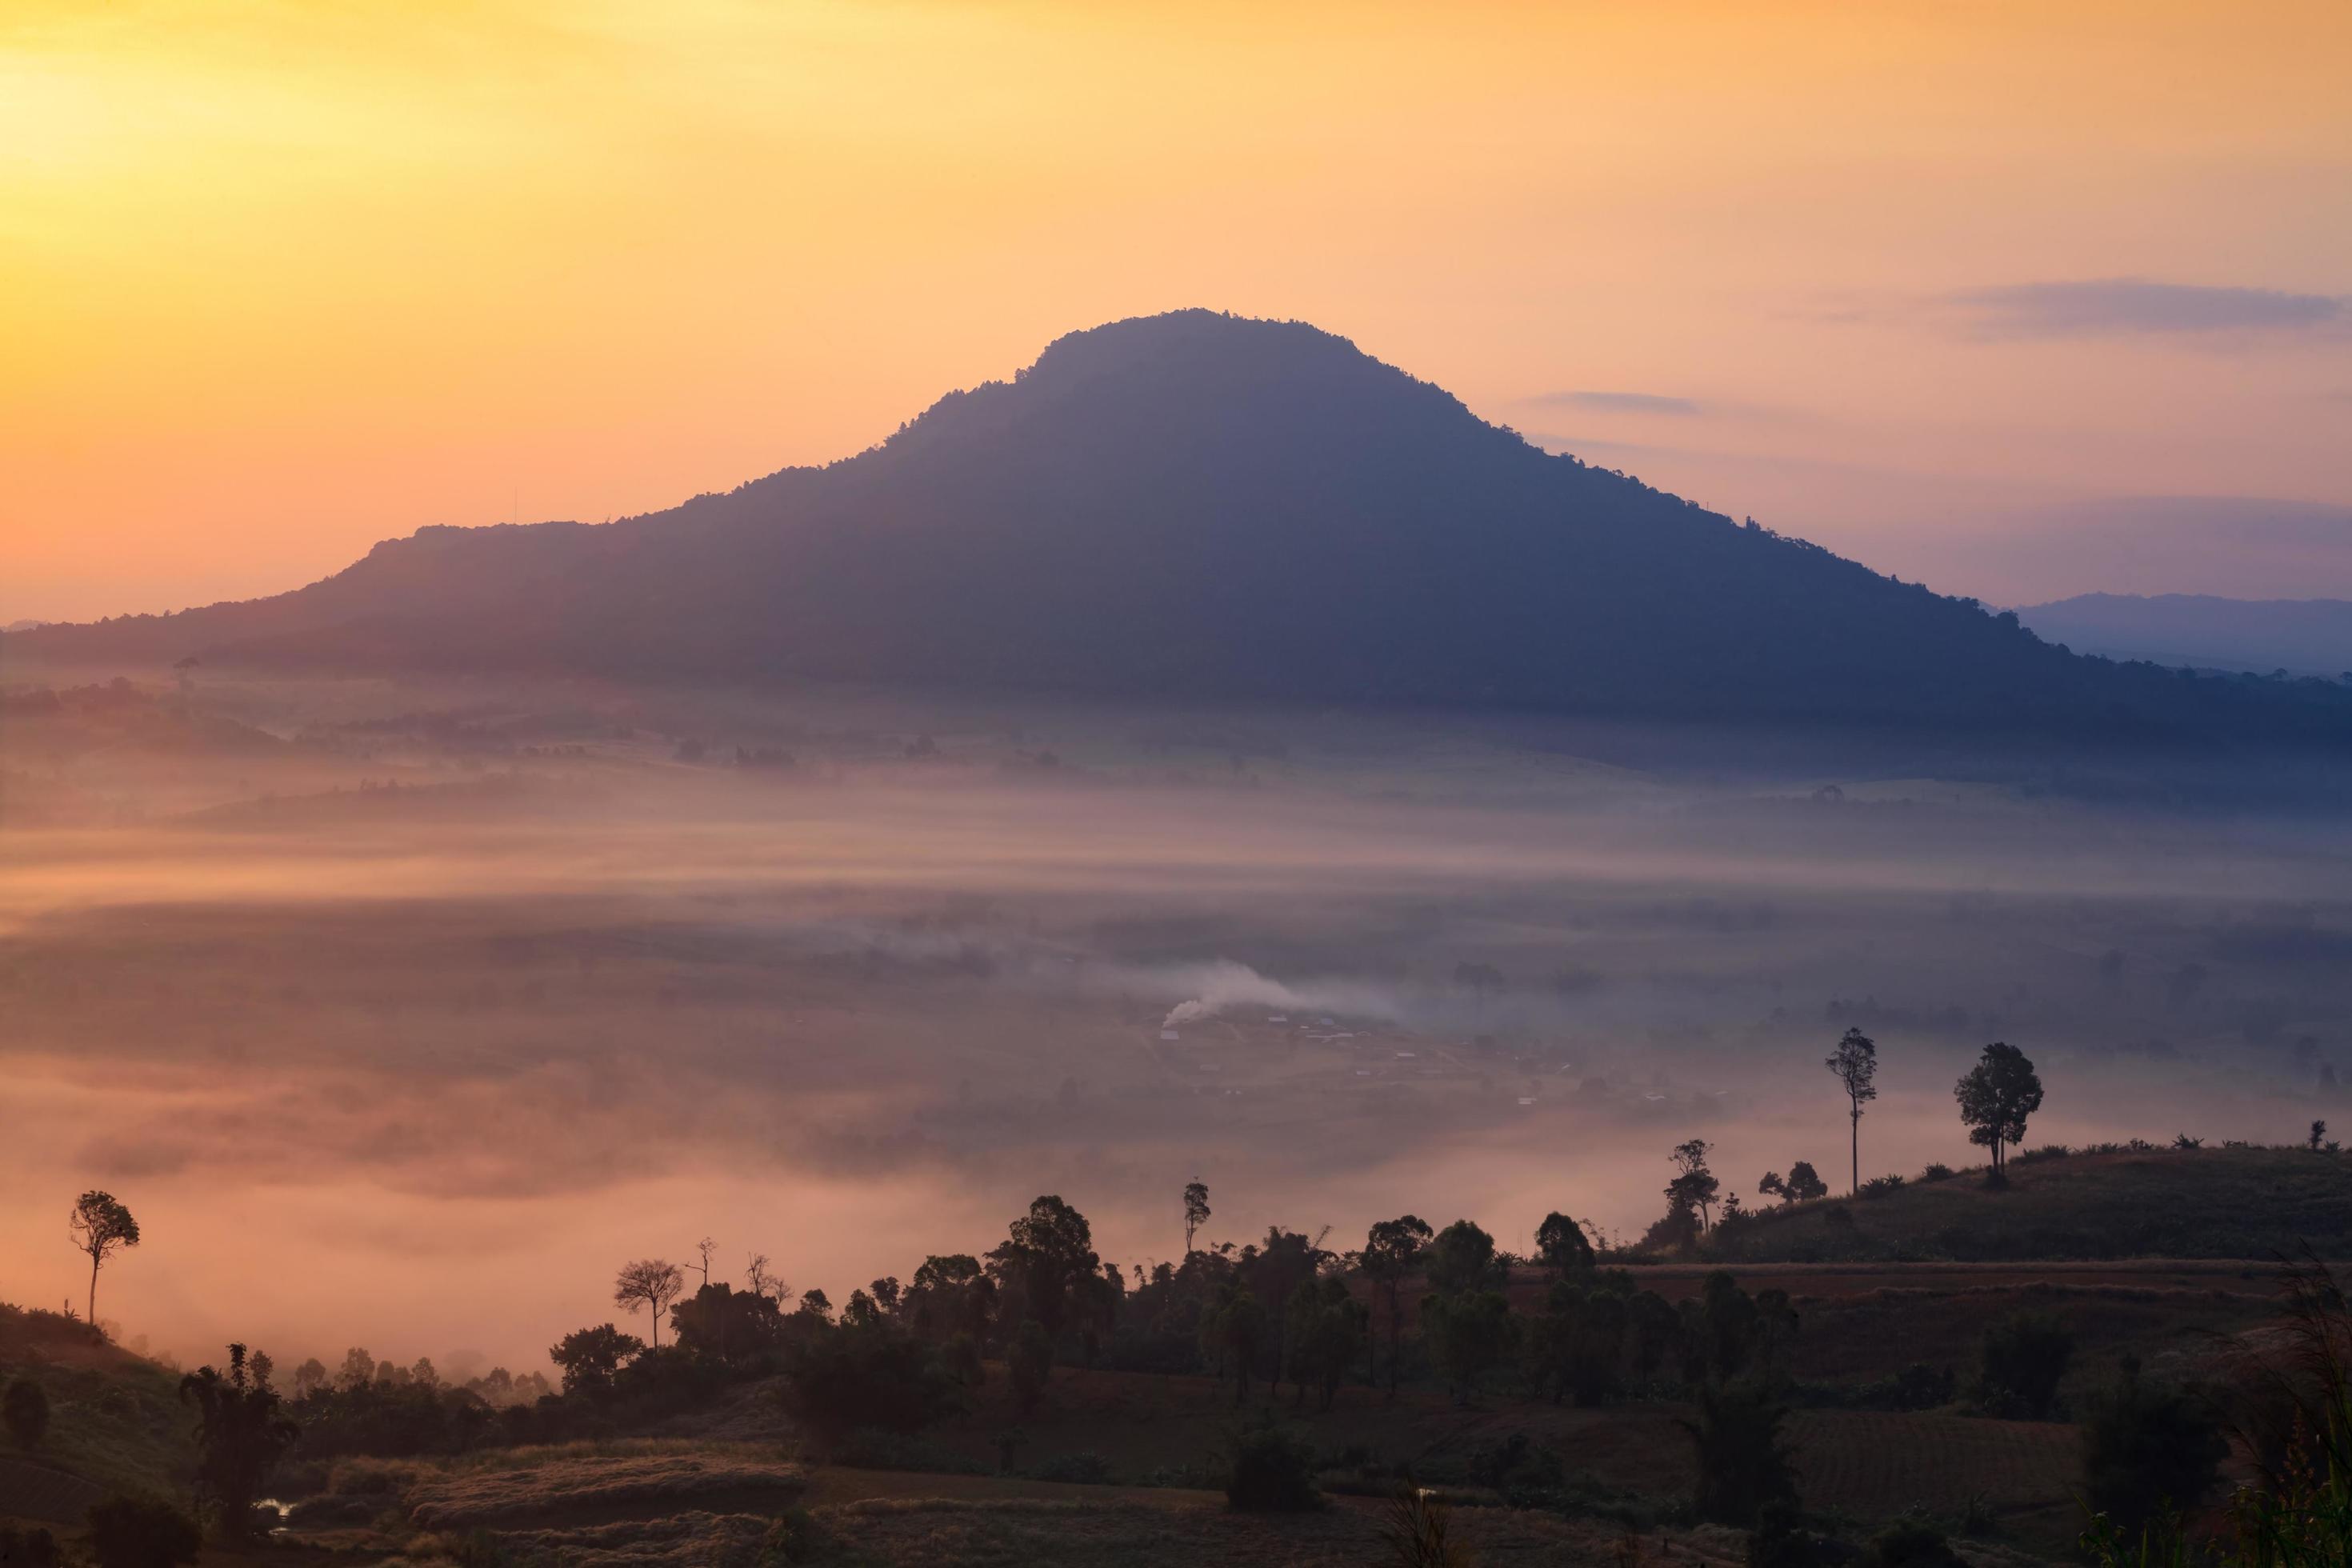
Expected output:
(278, 278)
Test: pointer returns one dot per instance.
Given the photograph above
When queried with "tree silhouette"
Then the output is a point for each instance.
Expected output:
(1050, 1255)
(102, 1227)
(1392, 1251)
(1694, 1186)
(1196, 1212)
(1854, 1064)
(1805, 1184)
(1460, 1260)
(652, 1284)
(1560, 1242)
(1996, 1096)
(589, 1358)
(240, 1435)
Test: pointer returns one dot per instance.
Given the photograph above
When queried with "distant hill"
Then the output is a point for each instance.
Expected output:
(2161, 1203)
(2302, 636)
(1198, 507)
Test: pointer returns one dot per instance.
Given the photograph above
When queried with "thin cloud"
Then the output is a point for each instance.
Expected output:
(2119, 307)
(1619, 402)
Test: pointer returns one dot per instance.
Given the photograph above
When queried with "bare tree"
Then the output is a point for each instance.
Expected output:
(765, 1283)
(652, 1284)
(102, 1227)
(1196, 1212)
(1854, 1064)
(705, 1247)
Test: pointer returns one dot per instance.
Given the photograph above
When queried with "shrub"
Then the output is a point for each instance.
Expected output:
(2147, 1449)
(137, 1532)
(2025, 1355)
(1743, 1462)
(35, 1548)
(1879, 1186)
(1912, 1543)
(1780, 1539)
(2034, 1156)
(24, 1410)
(1936, 1172)
(1272, 1468)
(1419, 1532)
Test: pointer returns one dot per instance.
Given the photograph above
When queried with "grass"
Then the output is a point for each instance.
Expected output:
(593, 1480)
(2244, 1203)
(115, 1419)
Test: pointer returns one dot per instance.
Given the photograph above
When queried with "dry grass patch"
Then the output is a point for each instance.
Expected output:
(574, 1486)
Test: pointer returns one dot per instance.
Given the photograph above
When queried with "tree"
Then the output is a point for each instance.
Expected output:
(1271, 1468)
(241, 1434)
(1325, 1332)
(1562, 1243)
(1743, 1462)
(310, 1377)
(1996, 1096)
(357, 1369)
(1462, 1258)
(140, 1532)
(1392, 1251)
(589, 1357)
(1196, 1212)
(652, 1284)
(1049, 1255)
(102, 1227)
(761, 1282)
(25, 1411)
(1470, 1333)
(1854, 1064)
(1655, 1323)
(1804, 1184)
(1029, 1362)
(1235, 1328)
(2318, 1134)
(703, 1250)
(1694, 1186)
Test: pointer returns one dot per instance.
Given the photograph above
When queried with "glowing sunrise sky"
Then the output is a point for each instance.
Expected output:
(1955, 287)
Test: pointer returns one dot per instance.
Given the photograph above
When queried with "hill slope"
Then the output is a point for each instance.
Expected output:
(1199, 508)
(2161, 1203)
(2301, 635)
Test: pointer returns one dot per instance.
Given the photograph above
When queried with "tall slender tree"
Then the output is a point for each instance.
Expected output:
(1854, 1064)
(1196, 1212)
(102, 1227)
(1392, 1252)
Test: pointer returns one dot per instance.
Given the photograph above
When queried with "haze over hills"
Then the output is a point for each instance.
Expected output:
(1199, 508)
(2302, 637)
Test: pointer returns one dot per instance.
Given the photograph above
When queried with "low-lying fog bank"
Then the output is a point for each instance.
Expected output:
(401, 1017)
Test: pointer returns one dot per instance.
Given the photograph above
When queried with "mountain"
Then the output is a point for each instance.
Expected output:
(2302, 636)
(1195, 506)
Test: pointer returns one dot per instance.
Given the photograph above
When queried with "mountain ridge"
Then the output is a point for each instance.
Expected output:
(1204, 506)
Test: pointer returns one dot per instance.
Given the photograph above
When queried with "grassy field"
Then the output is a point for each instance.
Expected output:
(2221, 1202)
(116, 1423)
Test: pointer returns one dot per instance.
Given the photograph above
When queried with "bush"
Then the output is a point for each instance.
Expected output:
(2025, 1355)
(1780, 1539)
(1272, 1468)
(2147, 1449)
(135, 1533)
(1879, 1186)
(34, 1548)
(1913, 1544)
(24, 1410)
(1937, 1172)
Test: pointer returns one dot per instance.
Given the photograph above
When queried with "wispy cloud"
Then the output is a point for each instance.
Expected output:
(2116, 307)
(1618, 402)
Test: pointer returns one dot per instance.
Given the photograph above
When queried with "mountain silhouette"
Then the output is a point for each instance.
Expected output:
(1202, 508)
